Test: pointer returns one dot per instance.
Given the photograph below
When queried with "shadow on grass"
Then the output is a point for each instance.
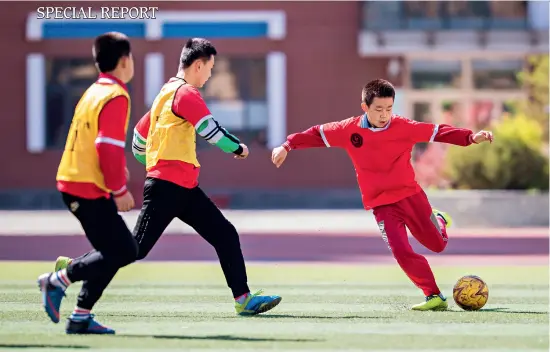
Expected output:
(268, 316)
(291, 316)
(506, 310)
(496, 310)
(220, 338)
(22, 346)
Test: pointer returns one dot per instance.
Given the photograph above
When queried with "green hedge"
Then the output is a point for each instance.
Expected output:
(515, 160)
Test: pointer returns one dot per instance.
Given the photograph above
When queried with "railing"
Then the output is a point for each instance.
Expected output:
(451, 15)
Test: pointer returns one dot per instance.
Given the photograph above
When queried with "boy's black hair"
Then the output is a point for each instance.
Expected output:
(109, 48)
(196, 49)
(378, 88)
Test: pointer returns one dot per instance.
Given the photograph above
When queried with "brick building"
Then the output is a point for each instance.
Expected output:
(283, 66)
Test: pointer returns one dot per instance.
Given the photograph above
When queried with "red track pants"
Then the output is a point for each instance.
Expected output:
(415, 212)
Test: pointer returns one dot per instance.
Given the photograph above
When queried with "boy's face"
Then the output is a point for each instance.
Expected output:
(127, 65)
(379, 112)
(204, 70)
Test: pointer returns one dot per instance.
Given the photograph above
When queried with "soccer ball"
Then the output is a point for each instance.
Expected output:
(470, 292)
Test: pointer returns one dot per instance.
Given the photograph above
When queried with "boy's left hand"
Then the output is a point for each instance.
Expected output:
(483, 136)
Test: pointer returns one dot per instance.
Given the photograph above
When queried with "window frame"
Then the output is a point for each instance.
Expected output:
(466, 94)
(153, 79)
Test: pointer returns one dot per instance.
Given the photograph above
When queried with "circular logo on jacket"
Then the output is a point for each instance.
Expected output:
(356, 140)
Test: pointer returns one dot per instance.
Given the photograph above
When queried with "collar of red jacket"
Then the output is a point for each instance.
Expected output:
(366, 124)
(106, 76)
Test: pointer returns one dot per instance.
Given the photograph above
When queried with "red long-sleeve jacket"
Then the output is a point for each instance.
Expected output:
(381, 156)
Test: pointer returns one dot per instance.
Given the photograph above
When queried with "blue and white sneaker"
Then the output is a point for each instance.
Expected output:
(51, 297)
(87, 327)
(256, 304)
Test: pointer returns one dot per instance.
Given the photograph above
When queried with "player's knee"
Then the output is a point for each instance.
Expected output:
(438, 247)
(226, 228)
(231, 229)
(226, 236)
(142, 253)
(133, 251)
(232, 236)
(130, 253)
(400, 249)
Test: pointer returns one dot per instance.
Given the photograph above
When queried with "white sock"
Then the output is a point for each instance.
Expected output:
(80, 314)
(60, 279)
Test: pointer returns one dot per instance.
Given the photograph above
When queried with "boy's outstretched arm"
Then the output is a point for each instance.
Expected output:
(208, 128)
(191, 107)
(310, 138)
(213, 133)
(429, 132)
(461, 136)
(326, 135)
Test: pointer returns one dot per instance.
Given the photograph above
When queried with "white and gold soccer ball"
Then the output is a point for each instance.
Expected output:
(470, 292)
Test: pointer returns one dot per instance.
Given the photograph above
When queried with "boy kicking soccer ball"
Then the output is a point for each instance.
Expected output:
(380, 144)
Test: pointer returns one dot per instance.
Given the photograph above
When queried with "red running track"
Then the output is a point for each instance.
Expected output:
(279, 247)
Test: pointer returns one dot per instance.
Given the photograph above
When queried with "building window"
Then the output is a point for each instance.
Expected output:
(508, 14)
(434, 15)
(463, 9)
(375, 15)
(468, 91)
(490, 74)
(435, 74)
(486, 112)
(423, 15)
(452, 114)
(66, 80)
(236, 94)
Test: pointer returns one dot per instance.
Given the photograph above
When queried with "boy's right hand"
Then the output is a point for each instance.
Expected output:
(278, 156)
(483, 136)
(125, 202)
(244, 153)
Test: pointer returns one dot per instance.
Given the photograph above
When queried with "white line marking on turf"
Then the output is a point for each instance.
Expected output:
(206, 349)
(261, 327)
(331, 291)
(190, 308)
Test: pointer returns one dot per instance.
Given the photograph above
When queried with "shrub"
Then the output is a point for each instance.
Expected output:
(515, 160)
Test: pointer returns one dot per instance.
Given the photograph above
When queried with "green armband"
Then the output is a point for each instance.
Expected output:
(140, 158)
(138, 148)
(216, 135)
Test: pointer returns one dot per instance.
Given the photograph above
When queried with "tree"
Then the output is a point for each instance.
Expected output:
(518, 158)
(515, 160)
(535, 81)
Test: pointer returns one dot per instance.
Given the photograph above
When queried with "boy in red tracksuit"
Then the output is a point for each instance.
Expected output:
(380, 144)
